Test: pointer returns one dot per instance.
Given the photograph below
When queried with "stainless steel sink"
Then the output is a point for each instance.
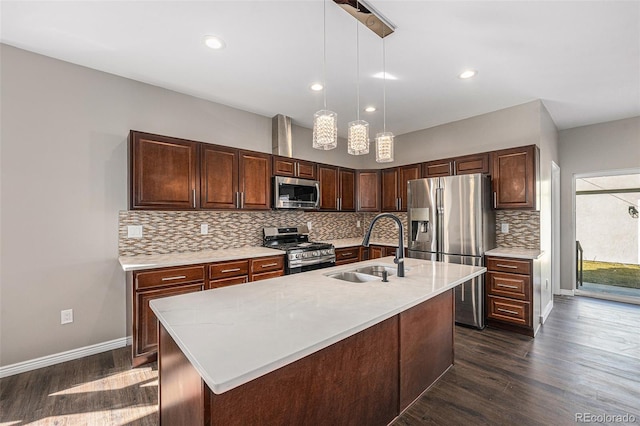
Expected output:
(364, 274)
(353, 276)
(377, 270)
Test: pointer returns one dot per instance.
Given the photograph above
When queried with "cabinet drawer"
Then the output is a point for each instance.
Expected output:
(228, 281)
(169, 276)
(228, 269)
(513, 266)
(509, 285)
(348, 253)
(507, 310)
(267, 264)
(267, 275)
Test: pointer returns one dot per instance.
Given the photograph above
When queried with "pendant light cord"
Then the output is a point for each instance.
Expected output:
(384, 85)
(357, 65)
(324, 50)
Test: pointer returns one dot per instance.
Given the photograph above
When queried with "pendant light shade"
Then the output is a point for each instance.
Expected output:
(358, 138)
(384, 147)
(325, 122)
(325, 130)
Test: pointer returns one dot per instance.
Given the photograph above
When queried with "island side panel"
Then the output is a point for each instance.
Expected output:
(352, 382)
(182, 397)
(426, 345)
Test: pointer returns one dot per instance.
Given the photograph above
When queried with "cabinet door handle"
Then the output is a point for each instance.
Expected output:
(193, 192)
(269, 264)
(495, 203)
(450, 168)
(297, 169)
(508, 311)
(506, 266)
(242, 200)
(337, 203)
(224, 271)
(455, 172)
(346, 254)
(180, 277)
(507, 286)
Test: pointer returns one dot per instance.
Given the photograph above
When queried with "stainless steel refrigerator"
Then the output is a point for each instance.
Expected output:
(451, 220)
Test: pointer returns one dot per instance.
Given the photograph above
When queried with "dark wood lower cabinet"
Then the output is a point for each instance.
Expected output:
(365, 379)
(146, 342)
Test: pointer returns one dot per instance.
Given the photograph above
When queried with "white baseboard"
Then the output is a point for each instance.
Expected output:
(45, 361)
(565, 292)
(546, 312)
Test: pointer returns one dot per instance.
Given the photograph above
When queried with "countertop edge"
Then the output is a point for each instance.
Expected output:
(137, 263)
(515, 253)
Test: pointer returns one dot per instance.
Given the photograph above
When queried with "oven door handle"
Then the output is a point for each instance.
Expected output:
(304, 262)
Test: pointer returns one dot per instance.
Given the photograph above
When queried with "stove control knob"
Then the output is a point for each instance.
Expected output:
(304, 255)
(325, 252)
(316, 254)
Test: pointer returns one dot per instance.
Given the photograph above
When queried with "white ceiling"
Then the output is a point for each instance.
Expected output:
(581, 58)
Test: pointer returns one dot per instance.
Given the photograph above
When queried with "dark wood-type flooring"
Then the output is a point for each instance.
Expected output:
(585, 359)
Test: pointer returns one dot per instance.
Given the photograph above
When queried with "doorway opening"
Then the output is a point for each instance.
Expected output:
(607, 230)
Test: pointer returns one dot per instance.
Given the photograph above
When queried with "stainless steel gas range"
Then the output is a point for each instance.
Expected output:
(302, 255)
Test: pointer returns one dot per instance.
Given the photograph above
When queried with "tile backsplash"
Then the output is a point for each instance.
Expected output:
(524, 229)
(179, 231)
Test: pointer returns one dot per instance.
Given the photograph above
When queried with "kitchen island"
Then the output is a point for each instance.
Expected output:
(307, 348)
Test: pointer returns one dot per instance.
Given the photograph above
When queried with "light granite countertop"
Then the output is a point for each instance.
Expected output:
(235, 334)
(516, 253)
(135, 263)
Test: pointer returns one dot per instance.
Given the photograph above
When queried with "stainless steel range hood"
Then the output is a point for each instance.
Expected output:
(281, 143)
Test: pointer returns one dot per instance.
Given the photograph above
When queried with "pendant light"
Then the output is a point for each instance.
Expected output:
(358, 132)
(325, 122)
(384, 140)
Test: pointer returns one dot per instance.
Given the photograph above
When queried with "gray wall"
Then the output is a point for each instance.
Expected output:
(64, 179)
(601, 148)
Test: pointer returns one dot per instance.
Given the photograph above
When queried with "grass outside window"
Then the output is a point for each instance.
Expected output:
(616, 274)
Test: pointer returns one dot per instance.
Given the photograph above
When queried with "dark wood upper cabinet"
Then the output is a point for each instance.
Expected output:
(347, 195)
(515, 177)
(394, 186)
(329, 185)
(469, 164)
(337, 188)
(465, 165)
(254, 185)
(389, 190)
(368, 190)
(284, 166)
(437, 168)
(218, 177)
(163, 172)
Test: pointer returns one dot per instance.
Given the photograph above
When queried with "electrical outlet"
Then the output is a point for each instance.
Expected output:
(504, 228)
(357, 224)
(204, 229)
(66, 316)
(309, 225)
(134, 231)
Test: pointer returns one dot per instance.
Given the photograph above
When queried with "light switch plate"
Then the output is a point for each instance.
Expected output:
(504, 228)
(66, 316)
(357, 224)
(204, 229)
(134, 231)
(309, 225)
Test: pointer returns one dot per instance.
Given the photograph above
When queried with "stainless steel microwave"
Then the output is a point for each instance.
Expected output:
(294, 193)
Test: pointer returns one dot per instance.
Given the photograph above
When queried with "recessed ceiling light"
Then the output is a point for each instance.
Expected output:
(214, 42)
(370, 109)
(381, 75)
(316, 87)
(468, 74)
